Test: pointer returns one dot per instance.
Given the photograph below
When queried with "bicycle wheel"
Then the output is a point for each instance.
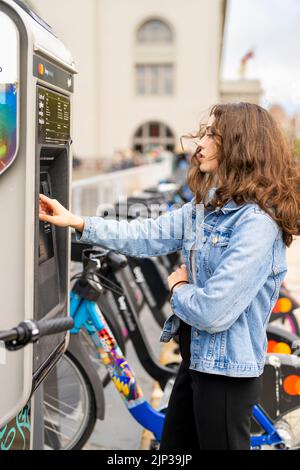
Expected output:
(69, 406)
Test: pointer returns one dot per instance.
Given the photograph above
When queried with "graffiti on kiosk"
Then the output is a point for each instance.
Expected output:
(16, 433)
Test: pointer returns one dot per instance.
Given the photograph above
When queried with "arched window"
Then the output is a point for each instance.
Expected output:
(154, 31)
(151, 135)
(155, 76)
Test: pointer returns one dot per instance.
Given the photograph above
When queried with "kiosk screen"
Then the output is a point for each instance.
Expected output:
(53, 117)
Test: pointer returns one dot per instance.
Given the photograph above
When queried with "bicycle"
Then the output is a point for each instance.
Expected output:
(123, 305)
(276, 431)
(71, 416)
(110, 273)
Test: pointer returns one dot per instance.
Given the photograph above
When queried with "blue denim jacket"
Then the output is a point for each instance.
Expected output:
(240, 263)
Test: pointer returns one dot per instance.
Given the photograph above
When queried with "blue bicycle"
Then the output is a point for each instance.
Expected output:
(276, 428)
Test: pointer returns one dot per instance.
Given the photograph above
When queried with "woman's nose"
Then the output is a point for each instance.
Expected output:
(200, 145)
(202, 142)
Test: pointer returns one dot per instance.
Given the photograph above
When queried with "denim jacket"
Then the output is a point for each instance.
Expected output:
(239, 263)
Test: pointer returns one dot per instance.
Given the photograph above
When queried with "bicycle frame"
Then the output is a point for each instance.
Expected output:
(128, 310)
(86, 314)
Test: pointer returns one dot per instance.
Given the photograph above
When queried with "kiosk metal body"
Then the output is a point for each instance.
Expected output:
(36, 87)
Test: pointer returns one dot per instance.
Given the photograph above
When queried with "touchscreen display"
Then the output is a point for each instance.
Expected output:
(53, 117)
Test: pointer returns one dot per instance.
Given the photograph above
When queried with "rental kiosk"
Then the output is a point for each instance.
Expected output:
(36, 86)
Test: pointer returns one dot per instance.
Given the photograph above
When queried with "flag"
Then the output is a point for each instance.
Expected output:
(249, 55)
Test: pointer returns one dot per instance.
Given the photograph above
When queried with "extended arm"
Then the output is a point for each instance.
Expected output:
(140, 238)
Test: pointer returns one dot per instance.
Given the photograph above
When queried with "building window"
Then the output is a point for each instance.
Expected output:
(154, 79)
(154, 76)
(154, 32)
(151, 135)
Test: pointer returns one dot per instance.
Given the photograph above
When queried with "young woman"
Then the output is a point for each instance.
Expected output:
(245, 179)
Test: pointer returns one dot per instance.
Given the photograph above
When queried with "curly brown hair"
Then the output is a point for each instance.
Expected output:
(255, 164)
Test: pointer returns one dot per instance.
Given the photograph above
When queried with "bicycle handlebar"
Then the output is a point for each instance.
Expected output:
(116, 260)
(57, 325)
(31, 331)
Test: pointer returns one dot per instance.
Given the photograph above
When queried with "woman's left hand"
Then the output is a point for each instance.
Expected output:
(180, 274)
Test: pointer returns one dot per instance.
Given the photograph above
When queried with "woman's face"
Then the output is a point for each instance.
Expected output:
(207, 154)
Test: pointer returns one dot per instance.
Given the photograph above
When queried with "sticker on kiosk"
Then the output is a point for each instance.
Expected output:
(9, 91)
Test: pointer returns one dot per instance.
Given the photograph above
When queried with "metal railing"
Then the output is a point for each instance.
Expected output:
(107, 188)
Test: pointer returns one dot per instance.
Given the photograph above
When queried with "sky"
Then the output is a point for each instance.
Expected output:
(272, 29)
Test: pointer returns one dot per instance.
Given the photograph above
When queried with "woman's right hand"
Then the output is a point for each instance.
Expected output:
(53, 212)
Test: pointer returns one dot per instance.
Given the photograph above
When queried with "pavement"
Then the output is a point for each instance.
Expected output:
(119, 431)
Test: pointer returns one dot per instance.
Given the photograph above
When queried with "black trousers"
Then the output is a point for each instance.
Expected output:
(208, 411)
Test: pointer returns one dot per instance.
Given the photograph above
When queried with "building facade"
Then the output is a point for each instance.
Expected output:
(148, 70)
